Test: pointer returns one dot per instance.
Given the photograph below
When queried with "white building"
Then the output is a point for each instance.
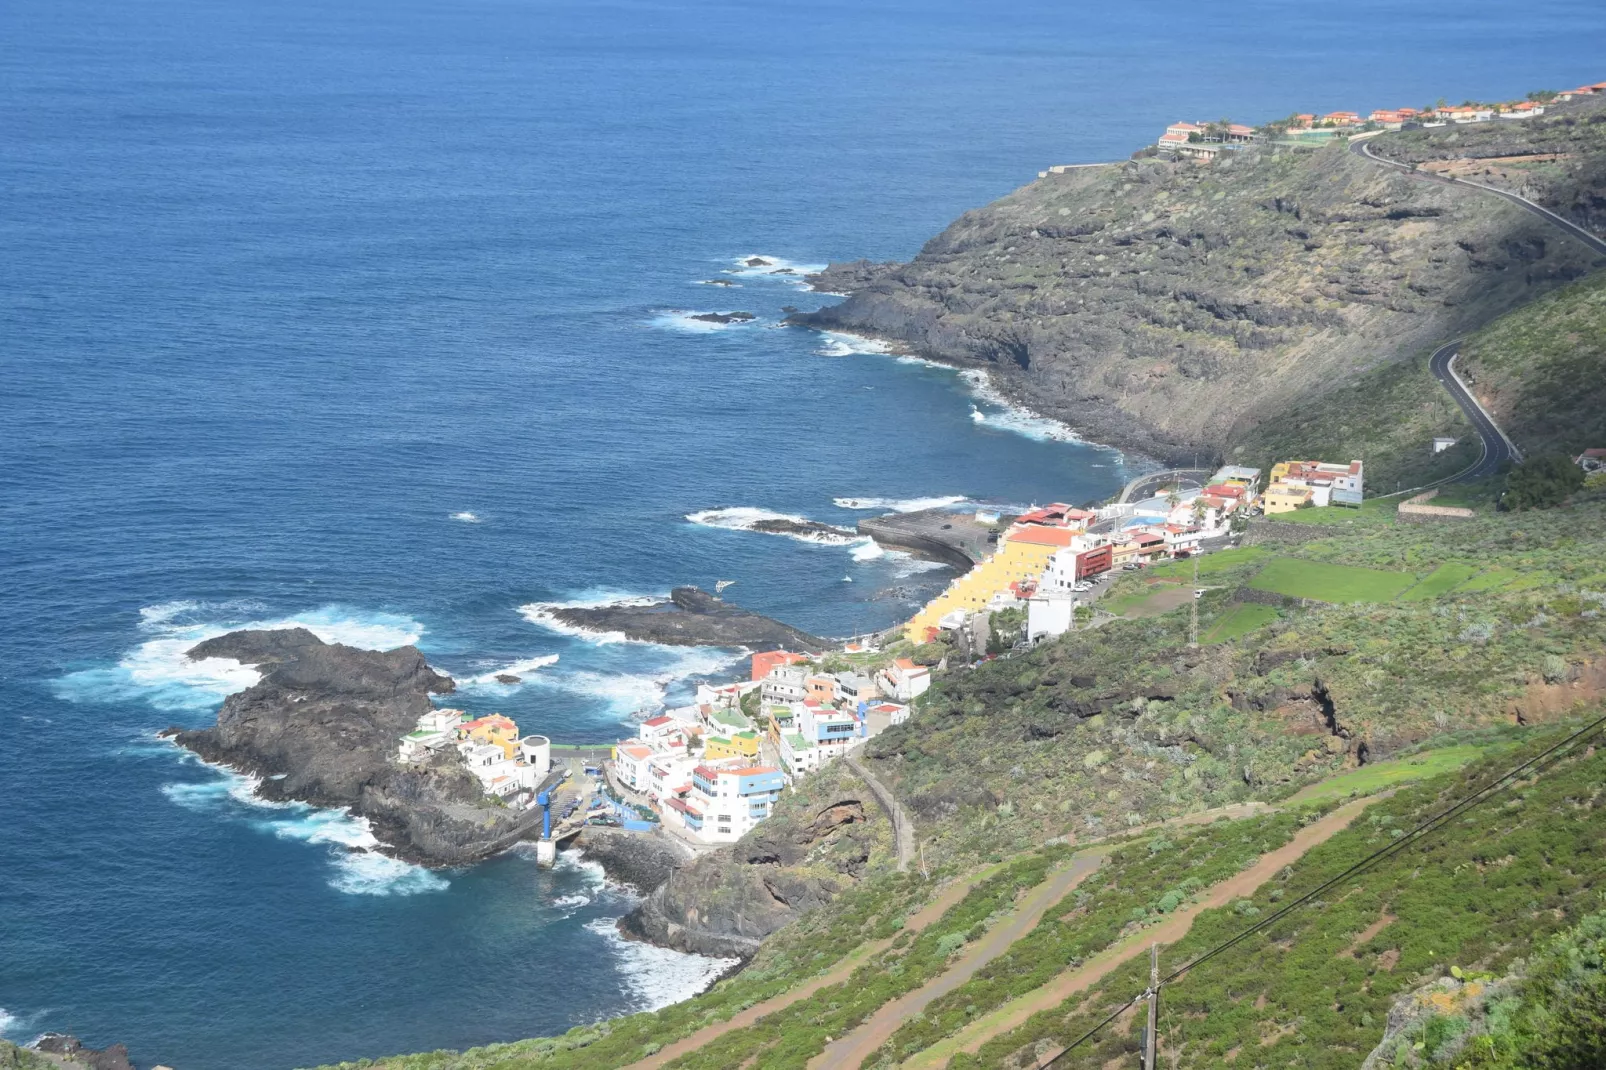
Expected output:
(784, 684)
(725, 697)
(853, 687)
(1049, 613)
(727, 799)
(630, 760)
(904, 680)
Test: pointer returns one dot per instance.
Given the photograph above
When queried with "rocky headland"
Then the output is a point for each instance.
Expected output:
(690, 617)
(321, 726)
(726, 902)
(1171, 306)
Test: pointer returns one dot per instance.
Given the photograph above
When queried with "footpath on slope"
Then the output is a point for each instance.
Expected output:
(946, 899)
(1016, 1012)
(903, 829)
(853, 1049)
(850, 1051)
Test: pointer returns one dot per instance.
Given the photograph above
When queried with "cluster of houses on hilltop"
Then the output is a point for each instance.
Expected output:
(508, 766)
(712, 774)
(1207, 140)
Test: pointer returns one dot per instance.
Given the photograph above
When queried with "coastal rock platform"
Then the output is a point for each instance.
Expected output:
(321, 727)
(691, 617)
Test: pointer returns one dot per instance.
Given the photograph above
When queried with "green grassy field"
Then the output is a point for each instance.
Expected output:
(1440, 581)
(1240, 620)
(1209, 564)
(1488, 581)
(1372, 511)
(1329, 583)
(1371, 779)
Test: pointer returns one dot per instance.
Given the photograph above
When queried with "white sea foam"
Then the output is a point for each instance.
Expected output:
(869, 551)
(626, 694)
(679, 319)
(910, 565)
(542, 613)
(160, 672)
(466, 517)
(841, 344)
(909, 358)
(744, 518)
(900, 505)
(518, 668)
(1010, 416)
(658, 976)
(17, 1025)
(359, 868)
(775, 269)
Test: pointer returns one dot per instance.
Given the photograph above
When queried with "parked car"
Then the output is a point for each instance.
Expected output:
(1199, 593)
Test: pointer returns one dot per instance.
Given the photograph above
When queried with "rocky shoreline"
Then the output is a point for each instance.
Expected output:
(320, 727)
(689, 617)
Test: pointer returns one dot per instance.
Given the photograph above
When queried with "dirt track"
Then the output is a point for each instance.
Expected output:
(1067, 984)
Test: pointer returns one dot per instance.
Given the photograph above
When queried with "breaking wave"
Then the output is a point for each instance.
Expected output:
(466, 517)
(160, 672)
(774, 269)
(358, 867)
(683, 320)
(657, 976)
(518, 668)
(900, 505)
(1008, 416)
(542, 613)
(742, 518)
(842, 344)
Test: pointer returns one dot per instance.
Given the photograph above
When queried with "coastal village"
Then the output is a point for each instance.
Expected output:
(708, 772)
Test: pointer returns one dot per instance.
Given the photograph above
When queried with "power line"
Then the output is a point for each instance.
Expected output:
(1379, 855)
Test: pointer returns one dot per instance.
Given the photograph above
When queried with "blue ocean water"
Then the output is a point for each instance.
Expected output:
(372, 316)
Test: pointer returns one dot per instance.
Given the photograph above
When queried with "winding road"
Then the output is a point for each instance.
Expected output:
(1360, 147)
(1497, 446)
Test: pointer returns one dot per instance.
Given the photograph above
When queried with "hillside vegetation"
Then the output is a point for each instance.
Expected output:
(1170, 305)
(1541, 370)
(1462, 639)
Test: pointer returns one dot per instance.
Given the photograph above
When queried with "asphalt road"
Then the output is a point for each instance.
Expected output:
(1495, 449)
(1595, 242)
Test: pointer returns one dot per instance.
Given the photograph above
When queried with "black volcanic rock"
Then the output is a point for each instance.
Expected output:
(112, 1058)
(322, 725)
(724, 317)
(781, 525)
(691, 617)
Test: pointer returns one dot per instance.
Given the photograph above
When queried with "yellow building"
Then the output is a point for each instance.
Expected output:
(1022, 555)
(735, 745)
(1284, 497)
(497, 730)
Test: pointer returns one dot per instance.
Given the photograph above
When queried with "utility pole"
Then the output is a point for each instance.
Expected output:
(1149, 1062)
(1193, 606)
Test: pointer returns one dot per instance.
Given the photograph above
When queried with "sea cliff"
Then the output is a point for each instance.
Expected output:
(1170, 306)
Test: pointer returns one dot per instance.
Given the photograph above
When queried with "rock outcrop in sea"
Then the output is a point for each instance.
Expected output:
(321, 727)
(690, 617)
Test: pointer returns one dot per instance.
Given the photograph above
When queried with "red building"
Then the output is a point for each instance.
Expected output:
(1092, 562)
(769, 659)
